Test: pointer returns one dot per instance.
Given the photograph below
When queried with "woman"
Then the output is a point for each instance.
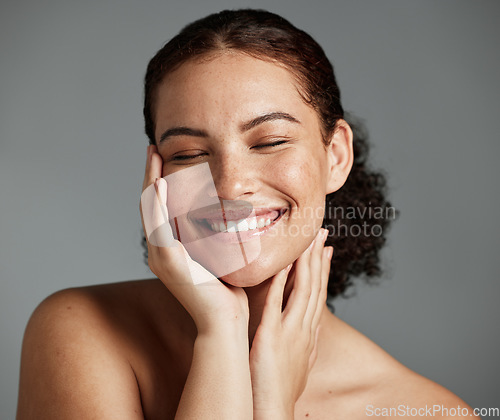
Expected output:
(248, 142)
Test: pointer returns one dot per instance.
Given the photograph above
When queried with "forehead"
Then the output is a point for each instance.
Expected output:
(228, 87)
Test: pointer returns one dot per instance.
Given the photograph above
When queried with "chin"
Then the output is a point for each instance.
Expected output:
(243, 283)
(251, 275)
(244, 278)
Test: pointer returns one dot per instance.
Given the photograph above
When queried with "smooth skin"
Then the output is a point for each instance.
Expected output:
(153, 349)
(221, 360)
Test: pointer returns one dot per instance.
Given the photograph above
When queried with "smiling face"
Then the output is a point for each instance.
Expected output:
(263, 145)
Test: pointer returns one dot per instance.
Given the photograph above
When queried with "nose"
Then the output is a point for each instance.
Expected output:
(234, 176)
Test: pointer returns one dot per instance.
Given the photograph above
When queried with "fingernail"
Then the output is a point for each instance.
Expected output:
(330, 252)
(288, 267)
(324, 234)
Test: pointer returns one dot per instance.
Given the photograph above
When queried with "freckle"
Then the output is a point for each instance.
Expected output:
(307, 414)
(68, 307)
(329, 392)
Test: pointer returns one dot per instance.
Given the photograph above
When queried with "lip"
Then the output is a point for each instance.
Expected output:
(226, 213)
(238, 237)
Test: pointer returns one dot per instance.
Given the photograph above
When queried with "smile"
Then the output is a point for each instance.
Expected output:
(243, 225)
(253, 225)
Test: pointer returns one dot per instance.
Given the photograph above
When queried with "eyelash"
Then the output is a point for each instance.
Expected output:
(187, 157)
(273, 144)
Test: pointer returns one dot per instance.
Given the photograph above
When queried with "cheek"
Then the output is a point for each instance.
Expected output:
(298, 177)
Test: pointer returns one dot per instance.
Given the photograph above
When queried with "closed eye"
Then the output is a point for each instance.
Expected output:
(273, 144)
(260, 146)
(186, 157)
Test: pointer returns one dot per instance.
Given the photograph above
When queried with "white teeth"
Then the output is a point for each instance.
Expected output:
(231, 226)
(242, 225)
(252, 224)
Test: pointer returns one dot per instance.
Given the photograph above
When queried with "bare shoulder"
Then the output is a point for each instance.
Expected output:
(74, 357)
(413, 395)
(368, 382)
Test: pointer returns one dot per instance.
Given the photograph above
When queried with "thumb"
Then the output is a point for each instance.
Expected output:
(274, 298)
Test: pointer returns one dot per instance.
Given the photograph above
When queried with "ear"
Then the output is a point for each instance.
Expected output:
(340, 156)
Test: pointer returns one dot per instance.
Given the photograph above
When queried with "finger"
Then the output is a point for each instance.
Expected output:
(155, 214)
(314, 352)
(154, 165)
(146, 169)
(151, 173)
(315, 276)
(148, 154)
(296, 305)
(163, 235)
(271, 315)
(325, 274)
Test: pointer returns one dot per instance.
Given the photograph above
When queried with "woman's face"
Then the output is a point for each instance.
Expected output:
(263, 145)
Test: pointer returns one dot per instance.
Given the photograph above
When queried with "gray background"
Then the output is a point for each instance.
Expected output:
(424, 76)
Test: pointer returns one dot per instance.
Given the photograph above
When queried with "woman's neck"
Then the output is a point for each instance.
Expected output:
(256, 301)
(330, 329)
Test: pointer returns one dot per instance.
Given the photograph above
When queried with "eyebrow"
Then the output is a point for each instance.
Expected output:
(182, 131)
(186, 131)
(272, 116)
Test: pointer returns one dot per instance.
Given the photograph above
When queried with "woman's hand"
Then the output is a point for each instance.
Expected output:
(210, 303)
(284, 347)
(219, 367)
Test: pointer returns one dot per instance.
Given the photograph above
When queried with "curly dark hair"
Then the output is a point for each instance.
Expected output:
(358, 232)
